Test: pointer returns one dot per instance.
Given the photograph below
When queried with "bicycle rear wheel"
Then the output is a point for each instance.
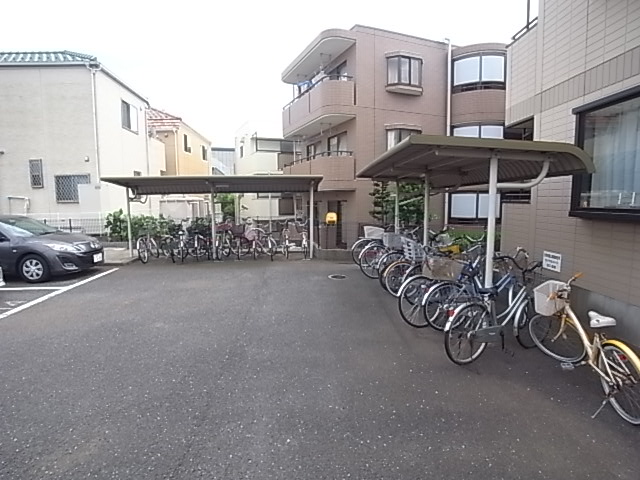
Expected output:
(386, 261)
(557, 337)
(625, 368)
(459, 341)
(357, 248)
(153, 247)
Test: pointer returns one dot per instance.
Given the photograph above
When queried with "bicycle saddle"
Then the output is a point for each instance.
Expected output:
(600, 321)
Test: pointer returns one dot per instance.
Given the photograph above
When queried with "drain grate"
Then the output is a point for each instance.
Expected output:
(336, 276)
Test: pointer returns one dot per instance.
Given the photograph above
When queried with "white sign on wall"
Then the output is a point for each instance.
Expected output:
(552, 261)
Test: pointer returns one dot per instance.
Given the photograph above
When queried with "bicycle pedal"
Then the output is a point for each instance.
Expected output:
(567, 366)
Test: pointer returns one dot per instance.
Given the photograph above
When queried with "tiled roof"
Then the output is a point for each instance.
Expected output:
(159, 119)
(60, 57)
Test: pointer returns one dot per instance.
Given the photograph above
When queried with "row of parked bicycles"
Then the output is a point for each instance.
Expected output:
(441, 285)
(247, 239)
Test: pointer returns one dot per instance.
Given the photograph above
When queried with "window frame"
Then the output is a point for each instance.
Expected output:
(185, 143)
(477, 219)
(339, 151)
(129, 108)
(480, 84)
(479, 126)
(77, 192)
(398, 133)
(203, 151)
(398, 73)
(577, 181)
(36, 161)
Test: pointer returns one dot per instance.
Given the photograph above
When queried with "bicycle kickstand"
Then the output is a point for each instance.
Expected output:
(504, 348)
(606, 400)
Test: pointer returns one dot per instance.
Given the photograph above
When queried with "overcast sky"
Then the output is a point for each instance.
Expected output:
(217, 64)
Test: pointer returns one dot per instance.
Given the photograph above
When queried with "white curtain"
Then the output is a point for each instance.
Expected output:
(613, 138)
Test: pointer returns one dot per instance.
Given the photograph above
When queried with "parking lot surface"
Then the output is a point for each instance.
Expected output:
(272, 370)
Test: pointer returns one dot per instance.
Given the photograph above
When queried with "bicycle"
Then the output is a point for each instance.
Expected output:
(473, 325)
(555, 330)
(147, 247)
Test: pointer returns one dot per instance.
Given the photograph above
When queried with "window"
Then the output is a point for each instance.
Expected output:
(129, 117)
(478, 72)
(67, 187)
(479, 131)
(203, 151)
(470, 207)
(185, 143)
(339, 73)
(610, 133)
(396, 135)
(337, 145)
(402, 70)
(311, 151)
(35, 173)
(269, 195)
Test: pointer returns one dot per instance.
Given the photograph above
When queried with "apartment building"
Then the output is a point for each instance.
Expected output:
(575, 77)
(255, 155)
(359, 92)
(65, 121)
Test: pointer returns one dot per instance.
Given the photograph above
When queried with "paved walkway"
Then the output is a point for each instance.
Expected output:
(261, 370)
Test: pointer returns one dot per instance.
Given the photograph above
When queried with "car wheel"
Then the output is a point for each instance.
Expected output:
(34, 269)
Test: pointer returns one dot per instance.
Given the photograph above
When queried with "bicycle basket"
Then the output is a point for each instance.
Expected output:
(442, 268)
(412, 250)
(545, 305)
(373, 232)
(392, 240)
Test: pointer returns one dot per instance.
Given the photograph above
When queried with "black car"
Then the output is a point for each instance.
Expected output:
(35, 251)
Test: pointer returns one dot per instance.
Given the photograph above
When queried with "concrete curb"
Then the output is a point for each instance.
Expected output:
(119, 262)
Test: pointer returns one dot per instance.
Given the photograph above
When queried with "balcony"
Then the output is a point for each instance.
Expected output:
(326, 103)
(337, 169)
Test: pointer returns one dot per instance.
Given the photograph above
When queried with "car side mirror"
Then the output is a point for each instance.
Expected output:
(3, 238)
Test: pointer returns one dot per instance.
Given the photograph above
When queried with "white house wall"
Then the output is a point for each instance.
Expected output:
(121, 151)
(45, 113)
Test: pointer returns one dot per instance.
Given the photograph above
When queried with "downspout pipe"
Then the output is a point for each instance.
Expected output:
(94, 105)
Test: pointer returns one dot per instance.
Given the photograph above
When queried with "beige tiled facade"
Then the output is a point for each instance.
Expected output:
(359, 101)
(579, 52)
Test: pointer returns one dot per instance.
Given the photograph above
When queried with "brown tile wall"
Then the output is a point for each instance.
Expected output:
(482, 106)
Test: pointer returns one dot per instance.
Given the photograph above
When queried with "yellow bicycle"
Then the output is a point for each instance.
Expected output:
(557, 331)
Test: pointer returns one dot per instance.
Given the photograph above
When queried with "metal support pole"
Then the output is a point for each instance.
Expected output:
(396, 212)
(311, 220)
(129, 224)
(213, 223)
(425, 219)
(491, 220)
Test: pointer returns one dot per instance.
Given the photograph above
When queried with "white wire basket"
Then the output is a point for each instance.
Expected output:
(412, 250)
(373, 232)
(392, 240)
(442, 268)
(544, 304)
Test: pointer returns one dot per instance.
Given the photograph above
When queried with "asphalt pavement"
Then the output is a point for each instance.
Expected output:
(260, 370)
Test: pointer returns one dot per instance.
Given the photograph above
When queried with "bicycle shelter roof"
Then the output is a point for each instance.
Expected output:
(201, 184)
(464, 161)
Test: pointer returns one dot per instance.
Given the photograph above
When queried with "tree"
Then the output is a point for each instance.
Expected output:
(227, 203)
(410, 212)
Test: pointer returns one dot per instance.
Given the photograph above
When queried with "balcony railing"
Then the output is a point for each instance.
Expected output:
(308, 86)
(329, 101)
(333, 153)
(336, 167)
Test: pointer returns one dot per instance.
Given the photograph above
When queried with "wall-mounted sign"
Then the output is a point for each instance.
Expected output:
(552, 261)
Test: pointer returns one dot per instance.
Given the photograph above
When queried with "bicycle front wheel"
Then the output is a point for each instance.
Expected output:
(557, 337)
(143, 250)
(410, 300)
(459, 341)
(394, 276)
(369, 260)
(153, 247)
(624, 366)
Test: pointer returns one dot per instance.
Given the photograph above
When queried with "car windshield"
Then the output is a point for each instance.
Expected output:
(26, 227)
